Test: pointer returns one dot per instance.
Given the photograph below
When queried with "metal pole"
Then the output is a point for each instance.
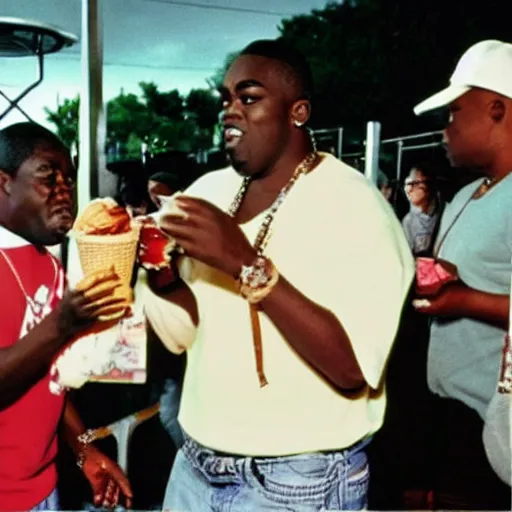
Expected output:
(422, 146)
(411, 137)
(400, 149)
(40, 77)
(340, 142)
(92, 121)
(92, 126)
(371, 164)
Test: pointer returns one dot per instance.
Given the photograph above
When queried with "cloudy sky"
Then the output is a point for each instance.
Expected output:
(176, 44)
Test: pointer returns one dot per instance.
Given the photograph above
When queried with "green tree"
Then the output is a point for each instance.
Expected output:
(163, 104)
(65, 119)
(164, 120)
(375, 59)
(126, 115)
(203, 108)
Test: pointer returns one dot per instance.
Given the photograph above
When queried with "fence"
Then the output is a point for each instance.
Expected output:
(371, 152)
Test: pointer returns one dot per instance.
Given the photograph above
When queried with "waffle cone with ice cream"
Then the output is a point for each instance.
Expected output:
(106, 237)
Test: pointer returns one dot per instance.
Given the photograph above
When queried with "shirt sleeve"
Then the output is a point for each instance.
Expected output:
(171, 323)
(362, 275)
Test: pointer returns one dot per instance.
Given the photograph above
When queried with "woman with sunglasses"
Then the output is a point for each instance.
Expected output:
(422, 221)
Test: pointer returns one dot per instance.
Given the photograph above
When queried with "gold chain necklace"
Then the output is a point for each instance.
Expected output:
(28, 299)
(262, 238)
(486, 185)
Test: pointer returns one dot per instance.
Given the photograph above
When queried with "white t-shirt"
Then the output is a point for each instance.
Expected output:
(338, 242)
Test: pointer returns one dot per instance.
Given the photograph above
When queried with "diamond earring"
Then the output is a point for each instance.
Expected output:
(296, 123)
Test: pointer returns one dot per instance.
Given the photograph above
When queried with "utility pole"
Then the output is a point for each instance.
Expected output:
(92, 126)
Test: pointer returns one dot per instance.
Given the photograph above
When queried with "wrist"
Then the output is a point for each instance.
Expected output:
(159, 280)
(84, 446)
(257, 280)
(57, 327)
(244, 261)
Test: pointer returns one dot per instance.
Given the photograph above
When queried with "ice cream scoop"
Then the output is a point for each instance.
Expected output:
(103, 216)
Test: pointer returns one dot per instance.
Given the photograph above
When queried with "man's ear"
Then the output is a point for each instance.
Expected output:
(301, 111)
(497, 110)
(5, 182)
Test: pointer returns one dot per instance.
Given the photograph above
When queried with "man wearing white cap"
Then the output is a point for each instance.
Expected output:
(470, 316)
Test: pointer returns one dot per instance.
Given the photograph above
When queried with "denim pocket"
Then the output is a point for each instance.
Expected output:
(358, 480)
(300, 482)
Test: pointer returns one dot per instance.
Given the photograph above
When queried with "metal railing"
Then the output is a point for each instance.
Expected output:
(326, 133)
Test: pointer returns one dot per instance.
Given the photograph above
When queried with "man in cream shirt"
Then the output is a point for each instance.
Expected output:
(282, 396)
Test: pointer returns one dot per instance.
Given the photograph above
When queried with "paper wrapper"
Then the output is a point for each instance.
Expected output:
(114, 355)
(98, 252)
(432, 275)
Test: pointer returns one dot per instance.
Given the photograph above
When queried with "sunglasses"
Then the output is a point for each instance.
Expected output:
(414, 183)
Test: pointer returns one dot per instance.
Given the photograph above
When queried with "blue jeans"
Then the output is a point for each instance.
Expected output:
(169, 408)
(50, 503)
(203, 480)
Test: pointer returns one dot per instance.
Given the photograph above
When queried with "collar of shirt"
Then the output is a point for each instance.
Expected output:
(10, 240)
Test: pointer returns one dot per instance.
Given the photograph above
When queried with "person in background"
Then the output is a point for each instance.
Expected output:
(422, 222)
(38, 317)
(134, 197)
(162, 184)
(384, 185)
(470, 316)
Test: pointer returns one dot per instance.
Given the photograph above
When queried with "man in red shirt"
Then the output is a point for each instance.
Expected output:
(38, 317)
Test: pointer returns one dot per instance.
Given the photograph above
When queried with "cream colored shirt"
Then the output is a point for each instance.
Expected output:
(337, 241)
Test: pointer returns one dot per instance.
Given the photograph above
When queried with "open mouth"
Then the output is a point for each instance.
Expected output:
(232, 136)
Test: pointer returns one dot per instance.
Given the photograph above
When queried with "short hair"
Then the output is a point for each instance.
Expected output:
(291, 58)
(429, 170)
(133, 192)
(382, 179)
(19, 141)
(166, 178)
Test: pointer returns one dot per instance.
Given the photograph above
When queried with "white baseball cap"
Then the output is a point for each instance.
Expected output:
(487, 65)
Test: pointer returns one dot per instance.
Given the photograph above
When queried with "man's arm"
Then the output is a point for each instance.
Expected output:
(299, 320)
(168, 285)
(315, 333)
(458, 300)
(24, 362)
(106, 478)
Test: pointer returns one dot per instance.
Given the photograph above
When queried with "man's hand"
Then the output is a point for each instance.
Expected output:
(451, 301)
(457, 300)
(92, 298)
(109, 484)
(209, 235)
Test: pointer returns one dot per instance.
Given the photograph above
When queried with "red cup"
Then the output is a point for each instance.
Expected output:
(154, 246)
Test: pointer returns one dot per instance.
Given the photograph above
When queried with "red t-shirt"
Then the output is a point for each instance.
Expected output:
(28, 427)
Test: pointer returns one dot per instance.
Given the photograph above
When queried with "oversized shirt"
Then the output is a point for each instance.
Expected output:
(337, 241)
